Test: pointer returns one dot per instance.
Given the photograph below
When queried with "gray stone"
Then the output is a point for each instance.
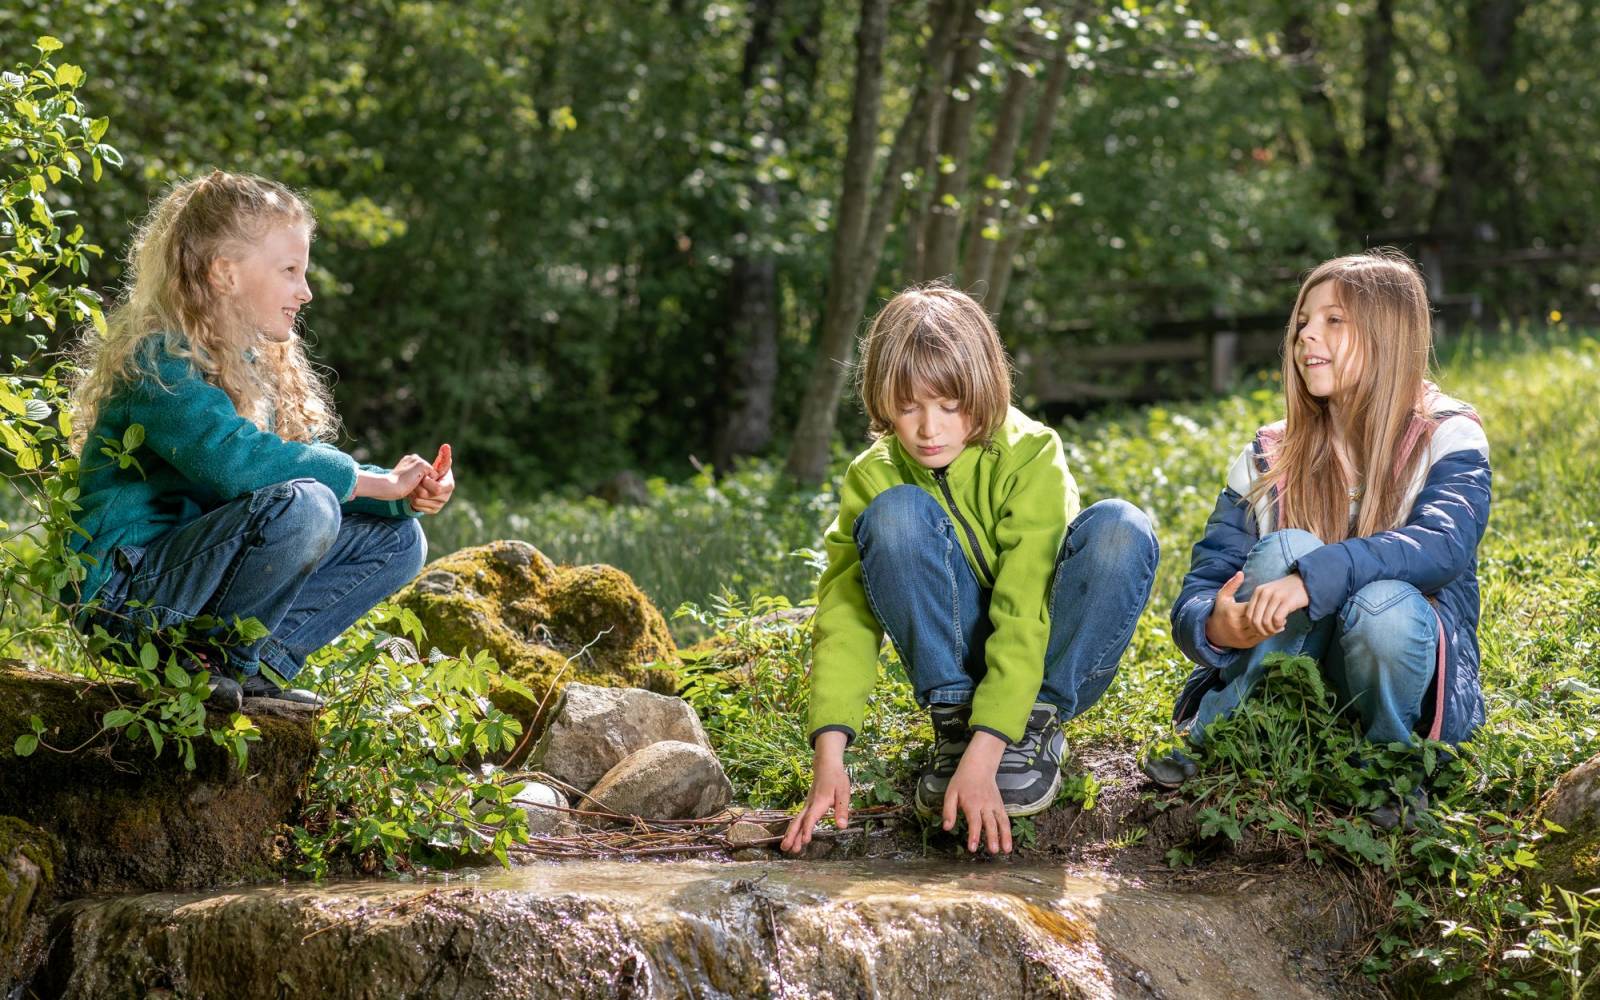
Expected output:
(666, 780)
(1571, 859)
(438, 582)
(535, 800)
(594, 728)
(744, 836)
(28, 857)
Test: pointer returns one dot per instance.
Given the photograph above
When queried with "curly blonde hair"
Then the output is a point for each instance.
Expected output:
(168, 293)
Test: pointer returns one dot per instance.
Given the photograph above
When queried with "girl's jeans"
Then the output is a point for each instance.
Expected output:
(927, 599)
(285, 555)
(1379, 652)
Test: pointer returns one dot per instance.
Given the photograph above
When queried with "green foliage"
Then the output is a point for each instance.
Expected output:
(750, 686)
(392, 785)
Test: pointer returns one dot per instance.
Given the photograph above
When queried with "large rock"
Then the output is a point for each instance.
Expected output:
(666, 780)
(593, 728)
(545, 808)
(130, 821)
(533, 616)
(1572, 859)
(28, 860)
(952, 931)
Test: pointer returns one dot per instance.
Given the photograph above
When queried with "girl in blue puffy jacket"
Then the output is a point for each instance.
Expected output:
(1348, 531)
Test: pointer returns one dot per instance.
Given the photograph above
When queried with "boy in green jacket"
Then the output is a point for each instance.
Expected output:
(959, 535)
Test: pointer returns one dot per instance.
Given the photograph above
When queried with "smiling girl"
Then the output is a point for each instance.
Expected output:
(229, 503)
(1348, 531)
(959, 535)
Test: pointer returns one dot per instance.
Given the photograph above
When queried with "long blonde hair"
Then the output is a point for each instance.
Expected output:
(1386, 307)
(168, 293)
(938, 339)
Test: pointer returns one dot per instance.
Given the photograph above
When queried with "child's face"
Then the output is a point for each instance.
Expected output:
(267, 282)
(932, 429)
(1325, 349)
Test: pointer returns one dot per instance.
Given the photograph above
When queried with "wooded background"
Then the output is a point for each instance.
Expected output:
(576, 237)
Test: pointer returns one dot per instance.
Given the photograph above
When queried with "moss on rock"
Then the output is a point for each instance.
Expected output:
(531, 615)
(130, 821)
(28, 860)
(1572, 859)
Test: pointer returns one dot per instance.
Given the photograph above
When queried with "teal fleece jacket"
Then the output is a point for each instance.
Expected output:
(1017, 497)
(198, 454)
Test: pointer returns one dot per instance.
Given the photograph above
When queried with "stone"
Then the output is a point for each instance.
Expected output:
(533, 616)
(534, 799)
(28, 860)
(666, 780)
(1571, 859)
(131, 821)
(593, 728)
(744, 836)
(946, 930)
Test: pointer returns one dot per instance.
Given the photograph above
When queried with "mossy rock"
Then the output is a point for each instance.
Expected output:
(128, 821)
(28, 860)
(532, 616)
(1571, 859)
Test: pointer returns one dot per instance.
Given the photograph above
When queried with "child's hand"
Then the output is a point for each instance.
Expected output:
(433, 492)
(974, 794)
(396, 484)
(1229, 626)
(830, 789)
(1271, 604)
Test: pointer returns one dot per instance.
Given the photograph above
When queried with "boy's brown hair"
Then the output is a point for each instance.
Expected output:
(936, 339)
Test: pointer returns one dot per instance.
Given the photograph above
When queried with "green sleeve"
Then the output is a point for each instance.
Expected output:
(1033, 519)
(846, 636)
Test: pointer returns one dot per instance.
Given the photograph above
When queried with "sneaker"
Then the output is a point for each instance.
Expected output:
(257, 686)
(949, 743)
(1171, 769)
(1030, 769)
(224, 695)
(1402, 813)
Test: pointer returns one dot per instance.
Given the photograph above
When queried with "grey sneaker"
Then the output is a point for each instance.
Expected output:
(1030, 769)
(1171, 769)
(949, 743)
(1403, 814)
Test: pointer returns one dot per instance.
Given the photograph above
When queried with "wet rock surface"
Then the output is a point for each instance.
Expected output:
(509, 599)
(28, 860)
(666, 780)
(894, 929)
(129, 821)
(593, 728)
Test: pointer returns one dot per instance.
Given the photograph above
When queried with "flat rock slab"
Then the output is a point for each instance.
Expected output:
(666, 780)
(686, 929)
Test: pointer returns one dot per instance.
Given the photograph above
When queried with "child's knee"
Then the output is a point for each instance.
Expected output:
(1387, 613)
(898, 519)
(1272, 557)
(414, 547)
(1117, 528)
(302, 513)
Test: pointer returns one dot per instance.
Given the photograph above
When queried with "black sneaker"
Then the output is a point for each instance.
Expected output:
(225, 694)
(1171, 769)
(257, 686)
(949, 743)
(1403, 813)
(1030, 769)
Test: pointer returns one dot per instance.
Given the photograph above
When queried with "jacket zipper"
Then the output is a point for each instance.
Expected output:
(941, 477)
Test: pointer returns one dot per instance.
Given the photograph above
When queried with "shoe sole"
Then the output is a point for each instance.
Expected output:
(1040, 804)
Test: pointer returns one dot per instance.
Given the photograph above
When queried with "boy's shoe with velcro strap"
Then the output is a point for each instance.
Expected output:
(1030, 769)
(949, 743)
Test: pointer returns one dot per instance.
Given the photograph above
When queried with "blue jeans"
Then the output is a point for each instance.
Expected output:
(924, 594)
(1379, 653)
(285, 555)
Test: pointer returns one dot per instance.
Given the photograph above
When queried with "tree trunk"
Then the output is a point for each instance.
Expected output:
(863, 228)
(1328, 148)
(1044, 123)
(941, 230)
(1377, 136)
(999, 166)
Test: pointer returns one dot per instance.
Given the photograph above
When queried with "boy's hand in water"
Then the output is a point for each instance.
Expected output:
(433, 491)
(396, 484)
(830, 789)
(974, 794)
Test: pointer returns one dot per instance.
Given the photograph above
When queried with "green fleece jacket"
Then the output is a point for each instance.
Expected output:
(1013, 500)
(198, 454)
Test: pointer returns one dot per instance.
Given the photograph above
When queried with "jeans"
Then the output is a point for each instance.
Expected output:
(285, 555)
(926, 597)
(1378, 653)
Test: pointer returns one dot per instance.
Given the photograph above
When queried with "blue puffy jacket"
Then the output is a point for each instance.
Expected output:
(1436, 551)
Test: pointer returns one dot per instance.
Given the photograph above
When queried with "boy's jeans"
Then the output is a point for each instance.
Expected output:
(285, 555)
(1379, 653)
(925, 595)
